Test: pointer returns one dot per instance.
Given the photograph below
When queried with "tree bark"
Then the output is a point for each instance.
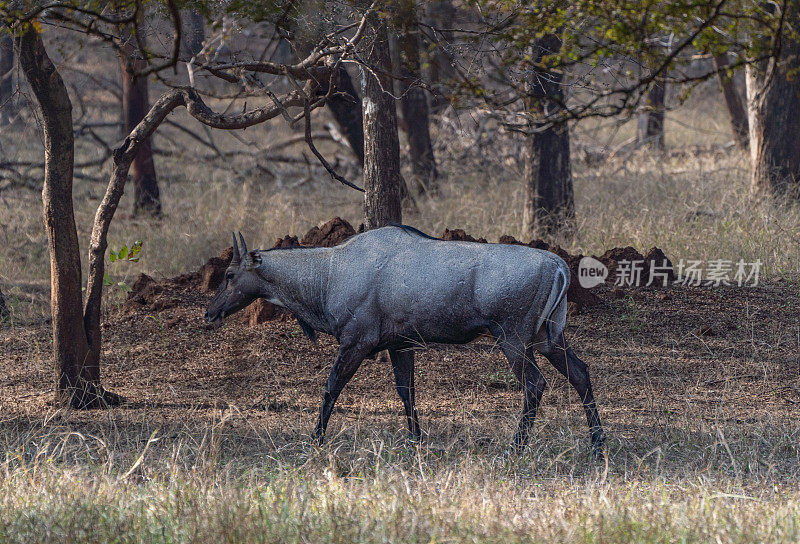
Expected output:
(4, 313)
(440, 65)
(193, 32)
(773, 103)
(549, 201)
(413, 100)
(345, 105)
(651, 119)
(733, 100)
(77, 372)
(135, 104)
(382, 179)
(6, 78)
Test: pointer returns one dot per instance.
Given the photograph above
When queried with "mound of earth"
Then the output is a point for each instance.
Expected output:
(213, 272)
(150, 294)
(332, 233)
(613, 257)
(286, 241)
(458, 235)
(655, 259)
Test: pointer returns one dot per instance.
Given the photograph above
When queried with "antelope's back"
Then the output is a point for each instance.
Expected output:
(402, 273)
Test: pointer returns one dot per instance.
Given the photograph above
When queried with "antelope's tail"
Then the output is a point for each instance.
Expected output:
(555, 315)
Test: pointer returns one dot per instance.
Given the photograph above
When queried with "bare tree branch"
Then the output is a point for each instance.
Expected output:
(313, 148)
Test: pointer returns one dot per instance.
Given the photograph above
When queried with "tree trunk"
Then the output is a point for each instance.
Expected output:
(345, 105)
(413, 101)
(6, 78)
(773, 103)
(194, 32)
(382, 179)
(77, 372)
(440, 64)
(549, 201)
(733, 100)
(135, 104)
(4, 313)
(651, 119)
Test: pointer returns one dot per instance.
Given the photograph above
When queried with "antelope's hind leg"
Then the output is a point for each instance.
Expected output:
(521, 360)
(403, 366)
(576, 371)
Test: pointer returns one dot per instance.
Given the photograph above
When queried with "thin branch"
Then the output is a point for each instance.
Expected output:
(313, 148)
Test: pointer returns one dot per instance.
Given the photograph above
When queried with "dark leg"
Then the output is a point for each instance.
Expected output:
(564, 359)
(403, 366)
(346, 363)
(533, 384)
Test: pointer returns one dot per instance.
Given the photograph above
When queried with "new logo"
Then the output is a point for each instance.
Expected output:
(591, 272)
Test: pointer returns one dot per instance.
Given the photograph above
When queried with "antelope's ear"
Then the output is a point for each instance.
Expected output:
(252, 259)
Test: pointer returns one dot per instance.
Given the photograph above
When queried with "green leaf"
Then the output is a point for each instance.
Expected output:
(124, 286)
(107, 281)
(135, 249)
(112, 256)
(123, 252)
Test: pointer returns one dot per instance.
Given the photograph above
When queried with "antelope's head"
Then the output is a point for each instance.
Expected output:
(241, 286)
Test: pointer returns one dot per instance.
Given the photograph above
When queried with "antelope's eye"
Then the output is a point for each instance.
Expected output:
(229, 276)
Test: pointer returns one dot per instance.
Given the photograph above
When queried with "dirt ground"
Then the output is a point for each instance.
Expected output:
(696, 360)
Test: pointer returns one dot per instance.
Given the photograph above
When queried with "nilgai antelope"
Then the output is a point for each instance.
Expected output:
(395, 288)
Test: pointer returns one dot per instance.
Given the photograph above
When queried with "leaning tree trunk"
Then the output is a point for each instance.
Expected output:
(549, 201)
(77, 372)
(6, 78)
(382, 179)
(345, 105)
(651, 119)
(773, 103)
(413, 102)
(733, 101)
(135, 104)
(194, 32)
(344, 102)
(441, 71)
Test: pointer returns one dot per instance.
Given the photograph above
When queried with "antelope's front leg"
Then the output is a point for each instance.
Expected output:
(344, 367)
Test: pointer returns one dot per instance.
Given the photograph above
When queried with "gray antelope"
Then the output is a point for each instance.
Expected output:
(394, 288)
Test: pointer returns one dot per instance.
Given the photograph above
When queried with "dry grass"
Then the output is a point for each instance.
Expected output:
(214, 446)
(370, 490)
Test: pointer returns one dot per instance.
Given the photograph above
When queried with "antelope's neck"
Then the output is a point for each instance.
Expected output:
(299, 279)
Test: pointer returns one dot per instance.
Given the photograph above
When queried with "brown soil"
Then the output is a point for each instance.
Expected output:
(612, 257)
(332, 233)
(458, 235)
(286, 241)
